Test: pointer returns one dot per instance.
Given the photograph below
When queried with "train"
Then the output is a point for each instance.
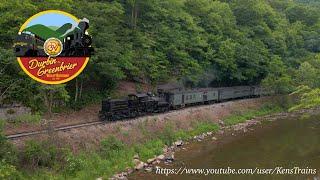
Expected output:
(76, 42)
(140, 104)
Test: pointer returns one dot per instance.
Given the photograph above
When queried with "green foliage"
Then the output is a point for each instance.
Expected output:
(110, 145)
(8, 171)
(278, 78)
(73, 164)
(27, 118)
(308, 98)
(307, 75)
(8, 158)
(203, 42)
(149, 149)
(40, 154)
(308, 72)
(88, 97)
(8, 153)
(168, 134)
(241, 117)
(204, 127)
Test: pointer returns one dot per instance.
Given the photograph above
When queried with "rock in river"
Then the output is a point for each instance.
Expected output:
(139, 166)
(161, 157)
(178, 143)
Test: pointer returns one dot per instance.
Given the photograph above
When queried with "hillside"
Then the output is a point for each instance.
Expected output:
(61, 30)
(47, 32)
(201, 43)
(43, 31)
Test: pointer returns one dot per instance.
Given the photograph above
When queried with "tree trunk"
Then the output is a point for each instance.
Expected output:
(135, 16)
(81, 85)
(132, 16)
(50, 103)
(77, 89)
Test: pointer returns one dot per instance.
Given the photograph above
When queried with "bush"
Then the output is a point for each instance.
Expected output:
(27, 118)
(88, 97)
(168, 135)
(149, 149)
(8, 157)
(8, 171)
(203, 127)
(111, 145)
(242, 117)
(73, 164)
(7, 151)
(181, 134)
(43, 154)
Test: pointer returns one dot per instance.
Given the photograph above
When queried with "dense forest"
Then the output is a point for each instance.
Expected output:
(198, 42)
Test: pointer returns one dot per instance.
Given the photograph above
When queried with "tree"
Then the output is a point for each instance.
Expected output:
(278, 78)
(51, 95)
(307, 75)
(309, 98)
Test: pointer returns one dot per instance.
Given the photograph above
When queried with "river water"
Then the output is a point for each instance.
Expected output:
(287, 143)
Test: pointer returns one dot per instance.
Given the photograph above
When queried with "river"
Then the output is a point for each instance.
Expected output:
(286, 143)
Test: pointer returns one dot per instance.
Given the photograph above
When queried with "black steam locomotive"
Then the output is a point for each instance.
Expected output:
(76, 42)
(141, 104)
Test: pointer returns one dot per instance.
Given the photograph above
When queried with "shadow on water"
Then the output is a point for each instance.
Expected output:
(286, 143)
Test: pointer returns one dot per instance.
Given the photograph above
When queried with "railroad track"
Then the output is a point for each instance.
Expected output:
(62, 128)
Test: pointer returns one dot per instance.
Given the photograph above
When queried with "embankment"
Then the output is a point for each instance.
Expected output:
(139, 129)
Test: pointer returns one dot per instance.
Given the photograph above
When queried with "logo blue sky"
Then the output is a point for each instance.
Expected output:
(51, 19)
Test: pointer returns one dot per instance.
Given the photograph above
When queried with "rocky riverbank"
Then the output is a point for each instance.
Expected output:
(168, 155)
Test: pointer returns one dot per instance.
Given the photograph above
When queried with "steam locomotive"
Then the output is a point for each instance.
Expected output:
(146, 103)
(76, 42)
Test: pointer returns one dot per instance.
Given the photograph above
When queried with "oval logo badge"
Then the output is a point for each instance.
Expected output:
(53, 47)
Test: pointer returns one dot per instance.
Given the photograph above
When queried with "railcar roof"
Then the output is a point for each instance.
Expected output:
(207, 89)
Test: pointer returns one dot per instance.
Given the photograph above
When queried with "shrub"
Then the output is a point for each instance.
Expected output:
(27, 118)
(43, 154)
(7, 171)
(181, 134)
(203, 127)
(168, 135)
(73, 164)
(244, 116)
(111, 145)
(7, 151)
(88, 97)
(149, 149)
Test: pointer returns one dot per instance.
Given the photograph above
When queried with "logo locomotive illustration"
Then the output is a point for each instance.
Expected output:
(53, 47)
